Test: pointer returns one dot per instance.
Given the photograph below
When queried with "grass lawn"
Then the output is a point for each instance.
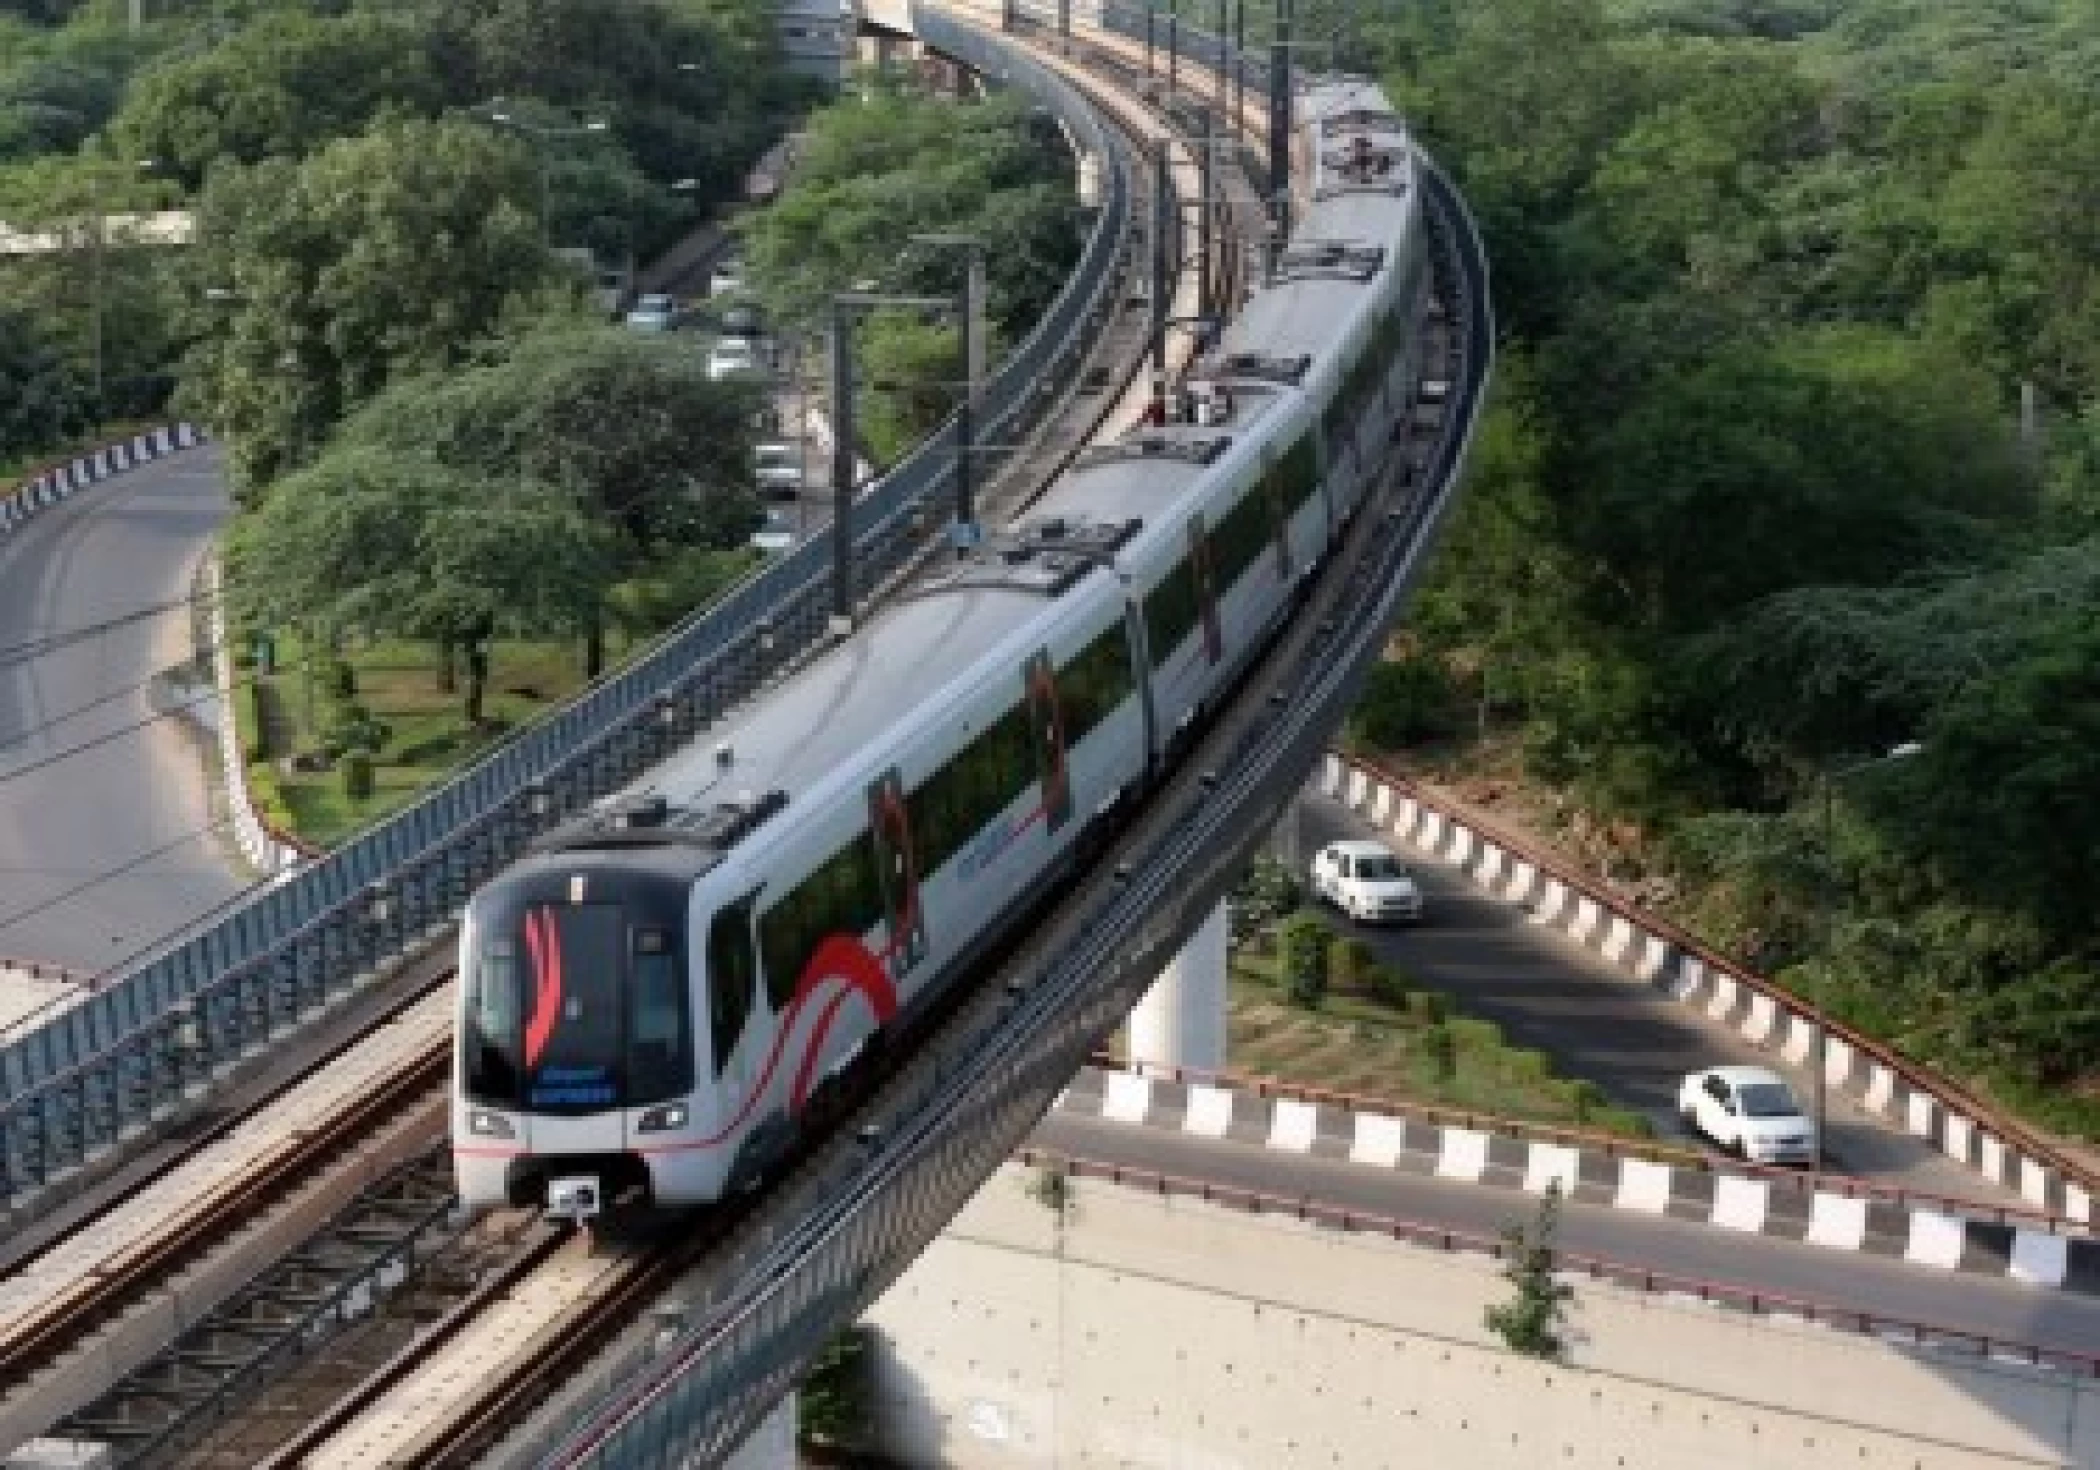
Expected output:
(1356, 1041)
(427, 734)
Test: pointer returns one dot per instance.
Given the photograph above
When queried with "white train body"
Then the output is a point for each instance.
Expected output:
(650, 1000)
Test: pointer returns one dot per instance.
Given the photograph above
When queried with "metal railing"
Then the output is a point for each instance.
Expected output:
(975, 1102)
(149, 1040)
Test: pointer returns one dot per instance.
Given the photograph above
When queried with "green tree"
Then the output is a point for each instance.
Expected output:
(41, 404)
(1533, 1321)
(378, 258)
(1303, 946)
(282, 86)
(383, 543)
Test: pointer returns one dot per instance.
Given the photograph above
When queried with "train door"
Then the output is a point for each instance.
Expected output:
(897, 870)
(1046, 723)
(1276, 504)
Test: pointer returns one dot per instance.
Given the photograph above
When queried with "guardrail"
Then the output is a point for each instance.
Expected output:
(139, 1048)
(1961, 1125)
(1590, 1140)
(39, 491)
(1601, 1268)
(975, 1101)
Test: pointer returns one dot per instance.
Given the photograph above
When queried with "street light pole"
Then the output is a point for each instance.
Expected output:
(974, 353)
(1828, 924)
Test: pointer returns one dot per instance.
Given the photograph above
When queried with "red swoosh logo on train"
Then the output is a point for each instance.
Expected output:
(837, 957)
(546, 983)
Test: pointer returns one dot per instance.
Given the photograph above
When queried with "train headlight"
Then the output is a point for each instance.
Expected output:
(663, 1119)
(485, 1124)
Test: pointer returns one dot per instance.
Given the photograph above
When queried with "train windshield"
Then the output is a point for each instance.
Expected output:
(573, 1010)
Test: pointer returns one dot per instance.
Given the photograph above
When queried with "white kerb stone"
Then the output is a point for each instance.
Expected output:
(1740, 1203)
(1292, 1124)
(1209, 1113)
(1379, 1140)
(1935, 1240)
(1126, 1097)
(1463, 1154)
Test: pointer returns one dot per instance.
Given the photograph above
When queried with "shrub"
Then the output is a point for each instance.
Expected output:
(352, 730)
(1475, 1034)
(1265, 893)
(1304, 943)
(257, 746)
(1405, 700)
(357, 775)
(833, 1401)
(1624, 1121)
(342, 680)
(1441, 1048)
(1527, 1064)
(1390, 986)
(1585, 1099)
(1430, 1007)
(1349, 961)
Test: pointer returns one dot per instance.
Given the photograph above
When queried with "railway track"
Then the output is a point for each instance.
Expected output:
(80, 1312)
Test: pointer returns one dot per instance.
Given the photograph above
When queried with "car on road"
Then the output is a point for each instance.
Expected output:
(727, 278)
(774, 534)
(732, 357)
(653, 313)
(1748, 1111)
(1366, 881)
(779, 469)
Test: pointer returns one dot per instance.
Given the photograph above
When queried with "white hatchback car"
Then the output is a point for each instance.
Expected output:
(1748, 1111)
(1367, 882)
(732, 357)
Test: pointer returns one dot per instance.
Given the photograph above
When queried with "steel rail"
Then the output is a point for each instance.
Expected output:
(36, 1341)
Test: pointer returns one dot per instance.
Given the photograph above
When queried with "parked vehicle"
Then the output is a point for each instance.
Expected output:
(727, 278)
(732, 357)
(774, 535)
(1366, 881)
(653, 313)
(779, 470)
(1748, 1111)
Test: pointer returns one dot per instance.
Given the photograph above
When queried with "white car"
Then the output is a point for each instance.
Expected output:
(779, 470)
(653, 313)
(1748, 1111)
(774, 535)
(731, 357)
(727, 278)
(1366, 881)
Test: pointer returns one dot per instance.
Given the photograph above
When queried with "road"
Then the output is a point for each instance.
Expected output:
(134, 796)
(1879, 1285)
(1548, 992)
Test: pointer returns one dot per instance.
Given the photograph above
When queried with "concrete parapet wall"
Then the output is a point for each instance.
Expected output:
(1138, 1329)
(21, 503)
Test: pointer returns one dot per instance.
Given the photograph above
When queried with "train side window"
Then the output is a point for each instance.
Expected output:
(1170, 613)
(1095, 682)
(843, 896)
(732, 975)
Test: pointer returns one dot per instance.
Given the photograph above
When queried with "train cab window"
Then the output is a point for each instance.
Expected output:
(493, 1022)
(659, 1048)
(573, 1044)
(732, 977)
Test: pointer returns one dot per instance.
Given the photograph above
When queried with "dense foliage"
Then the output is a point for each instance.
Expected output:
(1755, 504)
(331, 154)
(893, 164)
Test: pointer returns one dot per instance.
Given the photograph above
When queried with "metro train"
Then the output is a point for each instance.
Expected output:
(650, 1000)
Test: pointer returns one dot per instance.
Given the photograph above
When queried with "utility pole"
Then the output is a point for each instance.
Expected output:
(974, 353)
(1239, 65)
(1173, 49)
(842, 436)
(1280, 122)
(1162, 276)
(1205, 290)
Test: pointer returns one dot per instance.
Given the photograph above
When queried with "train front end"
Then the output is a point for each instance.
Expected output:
(577, 1068)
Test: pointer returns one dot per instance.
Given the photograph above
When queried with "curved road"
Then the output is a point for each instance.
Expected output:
(1549, 992)
(1878, 1285)
(134, 796)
